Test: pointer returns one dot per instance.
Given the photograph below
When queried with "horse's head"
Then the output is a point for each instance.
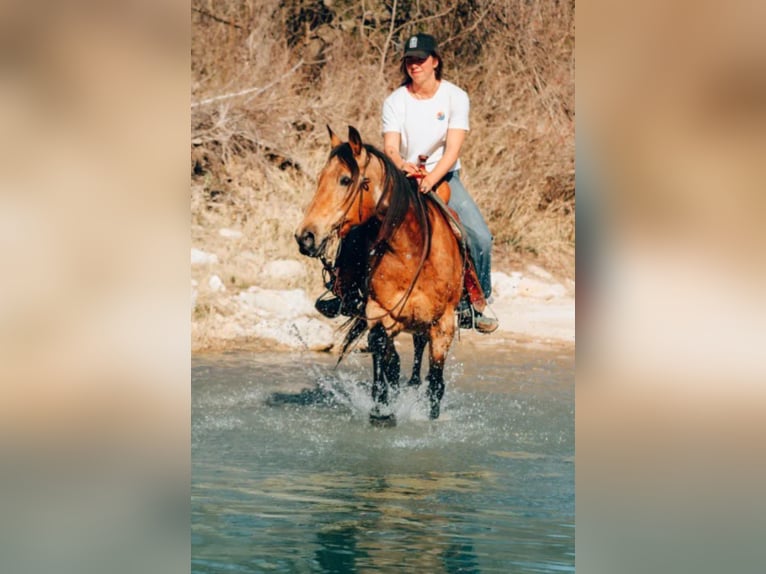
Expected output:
(346, 196)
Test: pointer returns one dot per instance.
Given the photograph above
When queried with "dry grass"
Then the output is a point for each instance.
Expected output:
(306, 63)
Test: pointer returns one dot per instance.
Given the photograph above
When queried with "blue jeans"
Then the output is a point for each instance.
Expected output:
(479, 237)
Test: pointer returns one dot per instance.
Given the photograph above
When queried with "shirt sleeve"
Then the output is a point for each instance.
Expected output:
(391, 123)
(460, 108)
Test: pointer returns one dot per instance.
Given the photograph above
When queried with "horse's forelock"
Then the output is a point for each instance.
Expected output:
(346, 157)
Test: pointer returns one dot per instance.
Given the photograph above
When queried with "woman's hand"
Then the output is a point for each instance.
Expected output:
(427, 183)
(410, 169)
(425, 180)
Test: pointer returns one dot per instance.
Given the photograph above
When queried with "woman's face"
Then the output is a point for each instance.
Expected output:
(421, 68)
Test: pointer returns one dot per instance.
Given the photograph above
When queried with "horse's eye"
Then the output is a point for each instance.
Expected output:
(345, 180)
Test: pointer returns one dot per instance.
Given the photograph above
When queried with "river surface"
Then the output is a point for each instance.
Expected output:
(289, 476)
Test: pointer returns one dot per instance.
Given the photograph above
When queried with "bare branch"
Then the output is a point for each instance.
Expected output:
(388, 39)
(216, 18)
(472, 27)
(253, 91)
(426, 18)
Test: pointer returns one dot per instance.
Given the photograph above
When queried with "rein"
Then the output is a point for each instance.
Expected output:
(377, 250)
(378, 247)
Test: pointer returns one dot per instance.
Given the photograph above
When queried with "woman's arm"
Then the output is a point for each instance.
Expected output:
(391, 142)
(455, 139)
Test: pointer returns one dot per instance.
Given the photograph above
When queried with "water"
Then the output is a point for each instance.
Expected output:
(312, 487)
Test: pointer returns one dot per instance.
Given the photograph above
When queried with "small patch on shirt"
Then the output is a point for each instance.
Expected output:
(440, 116)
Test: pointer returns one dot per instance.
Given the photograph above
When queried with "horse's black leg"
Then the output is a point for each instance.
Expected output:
(383, 367)
(435, 388)
(392, 364)
(377, 343)
(439, 337)
(420, 340)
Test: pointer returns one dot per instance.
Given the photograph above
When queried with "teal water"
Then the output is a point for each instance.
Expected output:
(312, 487)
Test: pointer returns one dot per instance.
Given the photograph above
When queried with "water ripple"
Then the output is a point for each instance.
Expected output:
(310, 486)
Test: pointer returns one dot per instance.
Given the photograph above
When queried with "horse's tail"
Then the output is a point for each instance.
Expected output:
(357, 329)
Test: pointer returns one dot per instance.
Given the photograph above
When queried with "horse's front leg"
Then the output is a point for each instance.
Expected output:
(441, 335)
(392, 365)
(385, 369)
(420, 340)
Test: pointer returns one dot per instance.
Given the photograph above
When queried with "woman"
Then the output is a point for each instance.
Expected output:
(428, 116)
(425, 116)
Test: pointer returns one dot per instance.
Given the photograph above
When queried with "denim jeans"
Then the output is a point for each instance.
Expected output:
(479, 237)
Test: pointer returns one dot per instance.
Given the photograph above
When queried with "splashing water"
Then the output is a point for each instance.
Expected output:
(345, 389)
(311, 486)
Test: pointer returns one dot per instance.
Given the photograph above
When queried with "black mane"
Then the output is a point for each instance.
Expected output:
(399, 192)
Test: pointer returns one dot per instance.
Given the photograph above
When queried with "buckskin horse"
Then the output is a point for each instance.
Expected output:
(415, 266)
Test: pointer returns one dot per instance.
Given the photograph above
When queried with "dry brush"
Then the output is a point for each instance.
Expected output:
(267, 76)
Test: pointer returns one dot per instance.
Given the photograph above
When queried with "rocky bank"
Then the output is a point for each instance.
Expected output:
(533, 308)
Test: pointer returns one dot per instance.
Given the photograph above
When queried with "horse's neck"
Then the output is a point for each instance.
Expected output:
(406, 238)
(407, 232)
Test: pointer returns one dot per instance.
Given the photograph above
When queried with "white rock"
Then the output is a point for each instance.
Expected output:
(554, 319)
(287, 304)
(249, 255)
(301, 333)
(216, 284)
(504, 286)
(536, 289)
(230, 233)
(284, 269)
(199, 257)
(539, 272)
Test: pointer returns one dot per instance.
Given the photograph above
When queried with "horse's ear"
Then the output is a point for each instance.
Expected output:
(355, 140)
(334, 140)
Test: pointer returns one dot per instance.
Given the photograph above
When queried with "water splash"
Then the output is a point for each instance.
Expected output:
(346, 390)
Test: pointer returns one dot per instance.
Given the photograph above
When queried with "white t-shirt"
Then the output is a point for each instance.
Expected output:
(423, 124)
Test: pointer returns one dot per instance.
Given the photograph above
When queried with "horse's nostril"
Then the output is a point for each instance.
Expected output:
(305, 242)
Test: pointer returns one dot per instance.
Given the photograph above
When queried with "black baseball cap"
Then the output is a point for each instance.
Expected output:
(419, 46)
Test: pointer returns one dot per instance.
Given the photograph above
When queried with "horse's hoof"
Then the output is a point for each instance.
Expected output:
(435, 412)
(382, 421)
(414, 383)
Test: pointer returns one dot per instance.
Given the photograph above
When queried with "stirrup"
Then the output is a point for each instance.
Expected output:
(470, 318)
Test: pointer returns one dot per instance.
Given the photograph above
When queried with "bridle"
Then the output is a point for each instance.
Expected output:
(361, 185)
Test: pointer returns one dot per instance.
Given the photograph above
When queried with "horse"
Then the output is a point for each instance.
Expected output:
(415, 266)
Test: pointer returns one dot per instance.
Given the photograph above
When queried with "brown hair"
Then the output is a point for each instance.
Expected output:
(406, 80)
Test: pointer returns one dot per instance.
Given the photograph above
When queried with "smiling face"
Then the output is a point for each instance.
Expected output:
(421, 69)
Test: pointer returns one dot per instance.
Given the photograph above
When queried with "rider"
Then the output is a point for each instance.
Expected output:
(427, 115)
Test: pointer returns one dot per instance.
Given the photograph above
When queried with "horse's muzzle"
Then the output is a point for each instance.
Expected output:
(308, 245)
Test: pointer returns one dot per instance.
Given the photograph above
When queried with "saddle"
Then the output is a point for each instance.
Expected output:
(348, 275)
(472, 288)
(471, 285)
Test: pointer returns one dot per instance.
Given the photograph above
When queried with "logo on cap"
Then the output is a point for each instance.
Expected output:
(414, 42)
